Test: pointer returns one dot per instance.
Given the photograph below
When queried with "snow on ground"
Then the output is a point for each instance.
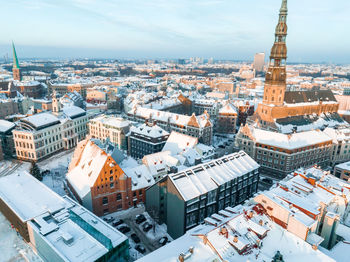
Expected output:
(158, 231)
(56, 183)
(12, 246)
(61, 159)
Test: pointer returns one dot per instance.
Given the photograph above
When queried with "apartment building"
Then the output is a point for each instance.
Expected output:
(342, 171)
(280, 154)
(6, 137)
(110, 127)
(184, 199)
(196, 126)
(227, 119)
(340, 151)
(212, 107)
(146, 139)
(310, 203)
(44, 134)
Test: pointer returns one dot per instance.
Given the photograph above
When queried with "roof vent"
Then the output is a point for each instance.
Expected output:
(187, 255)
(138, 173)
(67, 238)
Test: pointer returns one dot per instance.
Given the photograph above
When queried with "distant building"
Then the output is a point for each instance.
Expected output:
(184, 199)
(146, 139)
(196, 126)
(342, 171)
(259, 62)
(15, 68)
(8, 107)
(227, 119)
(57, 228)
(202, 106)
(98, 182)
(112, 128)
(6, 137)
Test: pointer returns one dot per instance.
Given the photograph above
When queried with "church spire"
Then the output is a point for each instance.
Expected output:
(15, 68)
(15, 59)
(275, 82)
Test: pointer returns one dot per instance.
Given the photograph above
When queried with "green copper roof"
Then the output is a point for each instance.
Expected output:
(15, 59)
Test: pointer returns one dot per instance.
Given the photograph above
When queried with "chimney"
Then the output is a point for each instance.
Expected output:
(235, 239)
(261, 222)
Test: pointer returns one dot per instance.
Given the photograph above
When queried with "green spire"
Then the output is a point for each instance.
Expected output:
(15, 59)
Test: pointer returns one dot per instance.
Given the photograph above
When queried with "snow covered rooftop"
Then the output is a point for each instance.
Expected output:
(149, 131)
(140, 177)
(112, 121)
(5, 126)
(172, 118)
(73, 111)
(200, 179)
(41, 120)
(344, 166)
(292, 141)
(28, 197)
(91, 161)
(238, 238)
(178, 143)
(228, 109)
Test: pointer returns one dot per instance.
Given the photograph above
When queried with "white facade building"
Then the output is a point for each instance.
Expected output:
(44, 134)
(111, 127)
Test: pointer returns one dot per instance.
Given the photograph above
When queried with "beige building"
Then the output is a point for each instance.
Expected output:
(44, 134)
(342, 171)
(110, 127)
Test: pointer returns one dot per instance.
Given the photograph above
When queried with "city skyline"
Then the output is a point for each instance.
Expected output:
(209, 28)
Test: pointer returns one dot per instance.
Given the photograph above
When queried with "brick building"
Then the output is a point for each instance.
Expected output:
(98, 182)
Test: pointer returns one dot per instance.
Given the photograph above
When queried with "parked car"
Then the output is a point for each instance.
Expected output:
(146, 227)
(140, 248)
(135, 238)
(267, 180)
(163, 241)
(118, 222)
(140, 219)
(109, 219)
(124, 229)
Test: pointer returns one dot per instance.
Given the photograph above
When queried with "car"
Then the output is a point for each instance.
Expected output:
(267, 180)
(109, 219)
(140, 248)
(135, 238)
(124, 229)
(118, 222)
(163, 241)
(140, 219)
(147, 227)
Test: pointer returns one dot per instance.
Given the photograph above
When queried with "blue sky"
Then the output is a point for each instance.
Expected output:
(223, 29)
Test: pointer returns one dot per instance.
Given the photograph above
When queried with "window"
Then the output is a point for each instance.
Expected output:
(119, 196)
(104, 200)
(111, 185)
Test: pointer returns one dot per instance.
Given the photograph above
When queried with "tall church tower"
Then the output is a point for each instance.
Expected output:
(15, 69)
(275, 81)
